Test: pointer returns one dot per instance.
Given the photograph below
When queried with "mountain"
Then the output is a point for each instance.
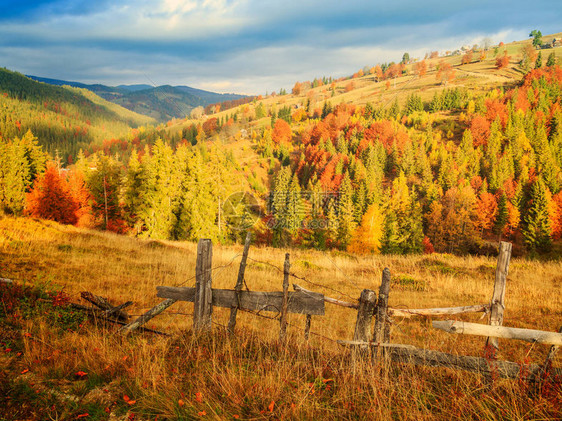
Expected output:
(65, 119)
(161, 102)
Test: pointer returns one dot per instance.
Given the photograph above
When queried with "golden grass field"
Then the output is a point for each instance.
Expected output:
(252, 376)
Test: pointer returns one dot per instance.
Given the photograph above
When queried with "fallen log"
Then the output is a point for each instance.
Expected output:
(99, 313)
(412, 355)
(529, 335)
(104, 304)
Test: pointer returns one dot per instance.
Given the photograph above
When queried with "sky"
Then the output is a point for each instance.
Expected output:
(247, 46)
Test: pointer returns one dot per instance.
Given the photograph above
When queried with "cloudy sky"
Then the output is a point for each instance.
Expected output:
(246, 46)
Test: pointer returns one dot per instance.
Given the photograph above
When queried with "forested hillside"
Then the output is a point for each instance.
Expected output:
(366, 164)
(63, 119)
(159, 102)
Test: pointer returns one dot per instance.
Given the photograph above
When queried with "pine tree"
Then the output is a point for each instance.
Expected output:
(279, 204)
(105, 186)
(537, 225)
(538, 63)
(294, 206)
(133, 192)
(195, 201)
(403, 220)
(551, 61)
(346, 211)
(17, 177)
(502, 216)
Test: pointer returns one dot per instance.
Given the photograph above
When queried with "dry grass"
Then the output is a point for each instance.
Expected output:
(243, 376)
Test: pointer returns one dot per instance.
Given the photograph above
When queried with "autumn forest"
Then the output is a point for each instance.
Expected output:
(453, 172)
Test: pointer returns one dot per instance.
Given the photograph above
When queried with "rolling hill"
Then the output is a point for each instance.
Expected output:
(159, 102)
(63, 118)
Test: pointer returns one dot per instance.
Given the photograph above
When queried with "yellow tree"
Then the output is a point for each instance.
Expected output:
(367, 237)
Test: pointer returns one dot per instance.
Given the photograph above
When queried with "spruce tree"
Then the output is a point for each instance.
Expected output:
(537, 225)
(551, 61)
(502, 216)
(346, 212)
(538, 62)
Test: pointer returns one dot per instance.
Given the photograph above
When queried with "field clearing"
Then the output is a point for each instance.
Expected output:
(161, 370)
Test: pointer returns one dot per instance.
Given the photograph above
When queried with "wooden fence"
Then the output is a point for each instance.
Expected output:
(370, 339)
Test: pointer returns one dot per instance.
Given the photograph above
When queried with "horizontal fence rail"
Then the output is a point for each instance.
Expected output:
(529, 335)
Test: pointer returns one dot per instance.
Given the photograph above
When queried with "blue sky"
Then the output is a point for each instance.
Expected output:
(246, 46)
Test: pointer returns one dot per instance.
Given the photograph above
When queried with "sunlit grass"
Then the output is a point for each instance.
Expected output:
(242, 376)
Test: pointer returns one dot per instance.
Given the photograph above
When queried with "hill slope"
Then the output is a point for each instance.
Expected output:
(161, 102)
(64, 119)
(56, 362)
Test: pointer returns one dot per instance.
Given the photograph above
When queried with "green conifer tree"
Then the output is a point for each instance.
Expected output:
(346, 212)
(537, 226)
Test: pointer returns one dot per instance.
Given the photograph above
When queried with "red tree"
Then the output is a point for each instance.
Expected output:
(51, 198)
(420, 68)
(281, 132)
(480, 128)
(502, 61)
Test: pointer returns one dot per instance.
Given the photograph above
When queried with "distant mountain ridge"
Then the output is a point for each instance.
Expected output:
(64, 119)
(161, 102)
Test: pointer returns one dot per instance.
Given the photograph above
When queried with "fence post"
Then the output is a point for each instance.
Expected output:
(283, 319)
(367, 303)
(382, 308)
(239, 283)
(307, 327)
(498, 298)
(203, 306)
(544, 371)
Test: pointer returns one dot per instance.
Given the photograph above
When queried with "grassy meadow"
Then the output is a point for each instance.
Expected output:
(57, 365)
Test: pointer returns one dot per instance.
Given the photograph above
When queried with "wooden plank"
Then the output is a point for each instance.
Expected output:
(410, 354)
(285, 301)
(153, 312)
(438, 311)
(239, 282)
(329, 299)
(298, 302)
(410, 312)
(203, 309)
(382, 307)
(529, 335)
(498, 298)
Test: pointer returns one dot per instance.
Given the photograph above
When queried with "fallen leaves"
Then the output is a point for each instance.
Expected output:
(129, 400)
